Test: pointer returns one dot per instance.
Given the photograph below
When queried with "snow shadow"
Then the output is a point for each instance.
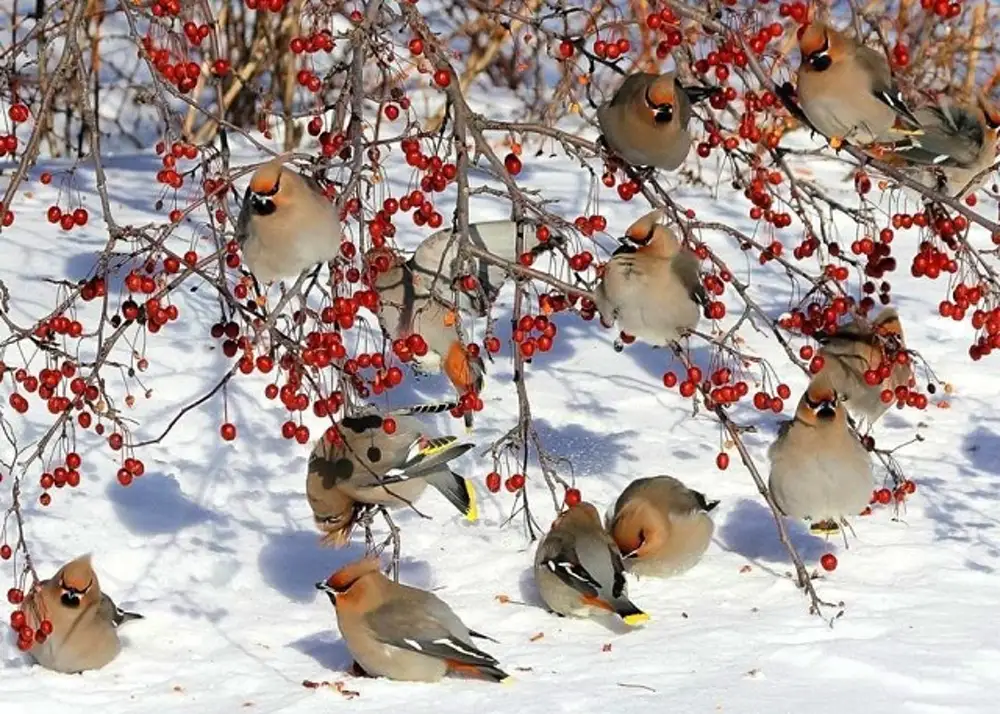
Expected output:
(591, 452)
(154, 505)
(750, 531)
(982, 448)
(326, 648)
(292, 562)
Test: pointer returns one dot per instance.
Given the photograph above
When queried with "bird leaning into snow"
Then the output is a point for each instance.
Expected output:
(661, 526)
(84, 620)
(646, 121)
(400, 632)
(847, 91)
(286, 223)
(958, 148)
(858, 349)
(368, 466)
(650, 287)
(819, 471)
(579, 571)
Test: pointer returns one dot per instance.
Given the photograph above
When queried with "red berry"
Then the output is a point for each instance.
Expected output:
(572, 497)
(228, 431)
(512, 164)
(389, 425)
(493, 482)
(442, 78)
(829, 562)
(722, 461)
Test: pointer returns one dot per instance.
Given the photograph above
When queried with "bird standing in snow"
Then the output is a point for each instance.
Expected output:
(403, 633)
(286, 223)
(651, 287)
(646, 121)
(847, 90)
(859, 352)
(579, 571)
(84, 620)
(370, 466)
(661, 526)
(819, 471)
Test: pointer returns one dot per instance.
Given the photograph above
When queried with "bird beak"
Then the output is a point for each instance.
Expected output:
(331, 593)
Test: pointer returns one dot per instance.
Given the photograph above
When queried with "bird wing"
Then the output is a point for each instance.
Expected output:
(561, 558)
(953, 136)
(686, 267)
(883, 85)
(243, 220)
(110, 612)
(424, 623)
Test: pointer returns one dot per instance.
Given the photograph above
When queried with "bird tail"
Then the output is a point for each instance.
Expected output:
(484, 671)
(123, 616)
(458, 490)
(629, 613)
(435, 408)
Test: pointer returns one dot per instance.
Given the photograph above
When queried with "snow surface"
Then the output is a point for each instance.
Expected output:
(215, 544)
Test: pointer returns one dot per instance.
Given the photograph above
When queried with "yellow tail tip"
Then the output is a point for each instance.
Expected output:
(472, 515)
(636, 619)
(507, 681)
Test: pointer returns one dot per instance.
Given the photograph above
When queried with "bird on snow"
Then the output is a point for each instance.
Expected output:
(661, 526)
(579, 570)
(403, 633)
(84, 620)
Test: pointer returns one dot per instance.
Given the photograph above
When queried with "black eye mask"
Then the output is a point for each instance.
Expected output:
(820, 60)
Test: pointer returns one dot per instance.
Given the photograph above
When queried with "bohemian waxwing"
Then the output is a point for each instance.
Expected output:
(646, 121)
(847, 91)
(579, 571)
(370, 467)
(958, 146)
(819, 471)
(84, 620)
(400, 632)
(661, 526)
(857, 348)
(404, 313)
(651, 287)
(286, 224)
(432, 271)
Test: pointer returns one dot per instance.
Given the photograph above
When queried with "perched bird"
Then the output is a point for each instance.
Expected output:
(84, 620)
(400, 632)
(958, 147)
(286, 224)
(819, 471)
(646, 121)
(423, 295)
(651, 287)
(661, 526)
(847, 91)
(860, 362)
(371, 467)
(579, 571)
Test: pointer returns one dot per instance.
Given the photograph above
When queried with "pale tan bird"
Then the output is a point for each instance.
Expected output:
(847, 90)
(579, 570)
(84, 620)
(819, 471)
(651, 287)
(661, 526)
(370, 467)
(286, 223)
(403, 633)
(646, 121)
(957, 153)
(853, 355)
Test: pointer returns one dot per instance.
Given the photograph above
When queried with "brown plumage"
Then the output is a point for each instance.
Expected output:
(651, 287)
(579, 570)
(407, 307)
(84, 620)
(847, 90)
(819, 471)
(646, 121)
(286, 223)
(958, 148)
(371, 467)
(400, 632)
(857, 348)
(661, 526)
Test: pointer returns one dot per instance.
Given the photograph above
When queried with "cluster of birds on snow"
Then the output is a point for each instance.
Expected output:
(651, 290)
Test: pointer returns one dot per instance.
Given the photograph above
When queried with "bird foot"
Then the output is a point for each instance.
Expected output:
(356, 670)
(824, 527)
(836, 142)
